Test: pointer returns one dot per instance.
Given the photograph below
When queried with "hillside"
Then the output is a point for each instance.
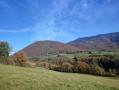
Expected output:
(47, 47)
(100, 42)
(19, 78)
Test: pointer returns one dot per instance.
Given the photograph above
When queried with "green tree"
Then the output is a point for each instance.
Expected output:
(5, 50)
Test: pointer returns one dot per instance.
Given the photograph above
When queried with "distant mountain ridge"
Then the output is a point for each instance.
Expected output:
(47, 47)
(108, 42)
(99, 42)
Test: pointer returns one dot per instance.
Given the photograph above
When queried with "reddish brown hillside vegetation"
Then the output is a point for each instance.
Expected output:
(47, 47)
(99, 42)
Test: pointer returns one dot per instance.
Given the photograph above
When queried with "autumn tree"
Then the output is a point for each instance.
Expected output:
(96, 70)
(66, 67)
(20, 59)
(111, 73)
(76, 58)
(54, 67)
(80, 67)
(44, 64)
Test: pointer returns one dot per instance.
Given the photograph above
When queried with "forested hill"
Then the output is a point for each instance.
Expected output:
(47, 47)
(99, 42)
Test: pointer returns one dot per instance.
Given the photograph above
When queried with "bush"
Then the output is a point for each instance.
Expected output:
(66, 67)
(43, 64)
(80, 67)
(110, 73)
(20, 60)
(54, 67)
(96, 70)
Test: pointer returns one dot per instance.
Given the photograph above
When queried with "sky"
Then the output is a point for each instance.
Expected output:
(22, 22)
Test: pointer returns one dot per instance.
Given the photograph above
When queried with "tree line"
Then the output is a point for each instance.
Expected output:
(17, 59)
(103, 65)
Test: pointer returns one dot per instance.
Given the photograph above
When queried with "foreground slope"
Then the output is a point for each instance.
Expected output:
(19, 78)
(100, 42)
(47, 47)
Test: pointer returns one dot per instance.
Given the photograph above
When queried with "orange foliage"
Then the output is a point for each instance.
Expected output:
(20, 58)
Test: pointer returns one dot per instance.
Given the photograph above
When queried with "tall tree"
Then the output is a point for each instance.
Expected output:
(5, 50)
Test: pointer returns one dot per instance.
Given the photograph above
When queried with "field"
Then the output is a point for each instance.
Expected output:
(88, 54)
(78, 54)
(19, 78)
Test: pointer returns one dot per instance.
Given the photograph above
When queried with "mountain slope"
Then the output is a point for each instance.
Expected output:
(100, 42)
(47, 47)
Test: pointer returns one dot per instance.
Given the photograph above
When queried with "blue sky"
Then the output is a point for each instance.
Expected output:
(23, 22)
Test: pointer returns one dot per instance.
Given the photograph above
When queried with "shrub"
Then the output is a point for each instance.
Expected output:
(80, 67)
(44, 64)
(96, 70)
(110, 73)
(20, 60)
(54, 67)
(66, 67)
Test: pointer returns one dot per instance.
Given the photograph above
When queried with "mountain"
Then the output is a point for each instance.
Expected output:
(47, 47)
(99, 42)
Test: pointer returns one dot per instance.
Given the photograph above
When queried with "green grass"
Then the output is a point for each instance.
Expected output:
(19, 78)
(87, 54)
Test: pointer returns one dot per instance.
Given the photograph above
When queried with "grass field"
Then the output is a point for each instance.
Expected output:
(19, 78)
(87, 54)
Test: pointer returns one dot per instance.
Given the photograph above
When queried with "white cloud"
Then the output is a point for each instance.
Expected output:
(59, 22)
(54, 26)
(16, 31)
(12, 31)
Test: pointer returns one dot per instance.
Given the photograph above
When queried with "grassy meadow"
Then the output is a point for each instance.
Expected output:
(88, 54)
(20, 78)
